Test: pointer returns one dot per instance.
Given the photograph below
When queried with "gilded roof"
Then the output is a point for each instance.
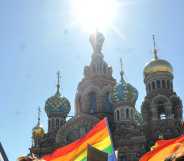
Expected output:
(158, 65)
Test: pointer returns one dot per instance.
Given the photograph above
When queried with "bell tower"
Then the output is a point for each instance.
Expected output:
(94, 90)
(161, 108)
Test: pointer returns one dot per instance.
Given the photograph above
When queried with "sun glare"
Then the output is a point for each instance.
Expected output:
(93, 15)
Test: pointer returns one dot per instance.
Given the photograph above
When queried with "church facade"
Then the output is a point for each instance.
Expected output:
(99, 95)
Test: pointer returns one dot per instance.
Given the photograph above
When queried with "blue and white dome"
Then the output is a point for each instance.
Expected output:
(124, 92)
(57, 103)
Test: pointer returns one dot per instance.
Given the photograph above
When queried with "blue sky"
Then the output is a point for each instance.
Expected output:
(37, 39)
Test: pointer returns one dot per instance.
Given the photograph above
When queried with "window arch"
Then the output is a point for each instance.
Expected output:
(127, 113)
(168, 84)
(92, 102)
(161, 110)
(171, 85)
(57, 123)
(153, 85)
(107, 102)
(163, 84)
(122, 114)
(149, 87)
(158, 84)
(117, 114)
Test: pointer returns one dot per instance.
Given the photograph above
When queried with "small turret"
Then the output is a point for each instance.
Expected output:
(38, 131)
(124, 96)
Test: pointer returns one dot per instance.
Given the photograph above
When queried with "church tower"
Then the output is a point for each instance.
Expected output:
(124, 97)
(37, 132)
(128, 139)
(161, 108)
(93, 92)
(57, 108)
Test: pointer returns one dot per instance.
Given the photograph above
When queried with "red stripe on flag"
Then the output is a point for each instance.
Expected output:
(150, 154)
(70, 147)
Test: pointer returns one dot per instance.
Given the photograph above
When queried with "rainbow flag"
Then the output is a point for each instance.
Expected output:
(98, 137)
(164, 149)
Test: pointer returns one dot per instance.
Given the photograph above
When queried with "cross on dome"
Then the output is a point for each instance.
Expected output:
(155, 51)
(58, 83)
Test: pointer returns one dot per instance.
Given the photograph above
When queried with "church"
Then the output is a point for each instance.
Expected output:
(99, 95)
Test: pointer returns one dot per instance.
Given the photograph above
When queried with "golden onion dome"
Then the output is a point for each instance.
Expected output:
(38, 131)
(158, 65)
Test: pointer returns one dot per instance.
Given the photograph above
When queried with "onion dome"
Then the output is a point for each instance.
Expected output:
(124, 92)
(38, 130)
(57, 103)
(157, 65)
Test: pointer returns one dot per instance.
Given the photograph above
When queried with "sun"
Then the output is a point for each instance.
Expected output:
(92, 15)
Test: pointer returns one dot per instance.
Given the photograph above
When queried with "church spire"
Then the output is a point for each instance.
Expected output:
(58, 83)
(155, 52)
(39, 113)
(121, 71)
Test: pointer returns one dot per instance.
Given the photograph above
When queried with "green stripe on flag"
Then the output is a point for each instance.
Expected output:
(108, 150)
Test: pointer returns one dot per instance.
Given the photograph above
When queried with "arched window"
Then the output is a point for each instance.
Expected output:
(127, 113)
(107, 103)
(153, 85)
(57, 123)
(163, 84)
(118, 117)
(92, 102)
(168, 84)
(171, 85)
(161, 110)
(149, 87)
(158, 84)
(122, 114)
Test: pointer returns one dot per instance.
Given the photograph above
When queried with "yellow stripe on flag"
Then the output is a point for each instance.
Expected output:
(100, 146)
(94, 139)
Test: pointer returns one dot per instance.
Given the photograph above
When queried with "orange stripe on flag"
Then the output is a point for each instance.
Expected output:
(164, 149)
(71, 151)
